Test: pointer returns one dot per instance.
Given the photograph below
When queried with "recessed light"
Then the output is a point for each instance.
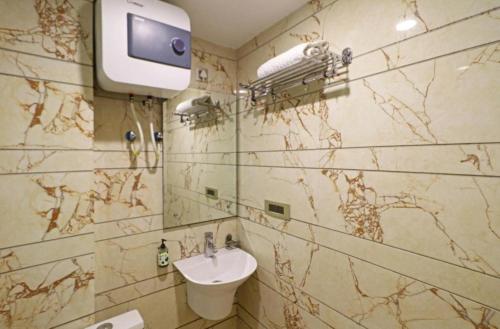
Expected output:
(406, 25)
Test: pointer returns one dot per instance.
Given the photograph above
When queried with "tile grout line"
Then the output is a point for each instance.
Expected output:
(252, 316)
(44, 79)
(338, 148)
(345, 169)
(158, 276)
(168, 229)
(128, 218)
(214, 54)
(27, 173)
(211, 326)
(136, 298)
(43, 241)
(244, 322)
(67, 61)
(46, 263)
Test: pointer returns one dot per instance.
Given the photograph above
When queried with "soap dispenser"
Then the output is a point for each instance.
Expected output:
(163, 254)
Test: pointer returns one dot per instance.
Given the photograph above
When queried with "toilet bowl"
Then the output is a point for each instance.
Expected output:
(129, 320)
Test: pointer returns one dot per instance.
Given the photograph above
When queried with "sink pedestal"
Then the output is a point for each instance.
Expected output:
(209, 302)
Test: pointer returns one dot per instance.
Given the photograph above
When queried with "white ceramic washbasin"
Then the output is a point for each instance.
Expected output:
(212, 281)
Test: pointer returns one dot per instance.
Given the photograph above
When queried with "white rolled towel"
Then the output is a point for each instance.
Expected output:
(292, 56)
(193, 105)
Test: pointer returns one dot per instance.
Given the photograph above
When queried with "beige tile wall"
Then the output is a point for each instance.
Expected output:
(392, 178)
(47, 261)
(80, 222)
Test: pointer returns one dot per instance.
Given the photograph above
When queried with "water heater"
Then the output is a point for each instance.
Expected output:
(143, 47)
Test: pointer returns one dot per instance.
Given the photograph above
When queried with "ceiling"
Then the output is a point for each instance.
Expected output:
(231, 23)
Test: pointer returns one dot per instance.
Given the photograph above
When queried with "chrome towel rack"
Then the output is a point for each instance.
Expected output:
(322, 66)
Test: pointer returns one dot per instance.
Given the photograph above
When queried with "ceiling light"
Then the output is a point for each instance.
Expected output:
(406, 25)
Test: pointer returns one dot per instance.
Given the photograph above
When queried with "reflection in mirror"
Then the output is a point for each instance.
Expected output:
(200, 159)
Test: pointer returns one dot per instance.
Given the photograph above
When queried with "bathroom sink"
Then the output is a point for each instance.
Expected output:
(212, 281)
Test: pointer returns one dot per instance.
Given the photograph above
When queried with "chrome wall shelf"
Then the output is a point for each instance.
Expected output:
(202, 109)
(322, 66)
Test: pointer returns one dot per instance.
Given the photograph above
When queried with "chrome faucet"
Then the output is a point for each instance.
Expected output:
(209, 249)
(230, 243)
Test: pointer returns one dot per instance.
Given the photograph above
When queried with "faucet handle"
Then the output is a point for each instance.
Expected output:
(230, 243)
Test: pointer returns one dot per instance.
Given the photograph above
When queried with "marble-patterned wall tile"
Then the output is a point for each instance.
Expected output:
(275, 311)
(210, 47)
(212, 136)
(41, 161)
(29, 255)
(247, 321)
(80, 323)
(221, 158)
(458, 280)
(39, 207)
(129, 226)
(433, 45)
(366, 293)
(137, 290)
(44, 114)
(47, 295)
(41, 68)
(221, 72)
(126, 260)
(125, 159)
(459, 159)
(124, 193)
(293, 19)
(409, 211)
(58, 29)
(296, 299)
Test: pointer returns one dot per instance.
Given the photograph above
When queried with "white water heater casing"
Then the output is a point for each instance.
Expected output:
(143, 47)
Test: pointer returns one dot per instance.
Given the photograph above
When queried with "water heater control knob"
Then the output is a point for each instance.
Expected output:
(178, 46)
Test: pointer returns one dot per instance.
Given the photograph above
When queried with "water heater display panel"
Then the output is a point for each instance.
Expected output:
(158, 42)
